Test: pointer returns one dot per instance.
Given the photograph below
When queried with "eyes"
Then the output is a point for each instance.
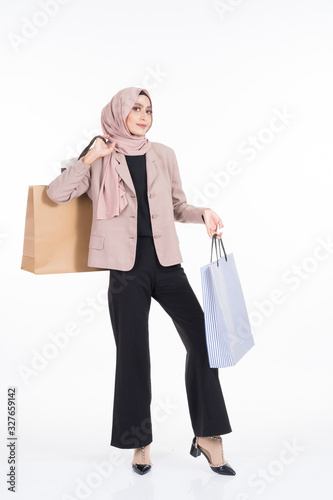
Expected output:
(137, 108)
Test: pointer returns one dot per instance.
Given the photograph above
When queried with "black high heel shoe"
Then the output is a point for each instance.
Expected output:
(142, 468)
(196, 450)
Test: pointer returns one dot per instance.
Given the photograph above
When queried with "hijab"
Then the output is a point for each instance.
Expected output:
(112, 196)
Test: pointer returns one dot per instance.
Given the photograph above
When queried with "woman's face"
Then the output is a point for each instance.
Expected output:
(139, 119)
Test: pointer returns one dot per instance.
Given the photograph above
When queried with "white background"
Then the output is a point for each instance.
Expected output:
(218, 73)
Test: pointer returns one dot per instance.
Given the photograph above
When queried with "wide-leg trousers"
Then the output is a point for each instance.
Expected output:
(129, 297)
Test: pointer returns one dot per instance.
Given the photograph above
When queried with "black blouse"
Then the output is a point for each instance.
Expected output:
(137, 168)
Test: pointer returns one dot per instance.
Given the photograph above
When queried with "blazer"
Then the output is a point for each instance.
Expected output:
(112, 242)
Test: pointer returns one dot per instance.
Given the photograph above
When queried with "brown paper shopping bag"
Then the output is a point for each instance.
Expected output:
(56, 238)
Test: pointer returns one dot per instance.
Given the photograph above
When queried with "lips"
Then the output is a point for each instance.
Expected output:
(142, 126)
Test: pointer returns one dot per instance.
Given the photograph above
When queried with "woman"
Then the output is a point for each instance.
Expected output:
(137, 196)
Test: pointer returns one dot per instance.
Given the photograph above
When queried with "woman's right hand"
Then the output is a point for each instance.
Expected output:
(98, 150)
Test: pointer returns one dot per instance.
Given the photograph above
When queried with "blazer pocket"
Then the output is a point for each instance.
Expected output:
(96, 242)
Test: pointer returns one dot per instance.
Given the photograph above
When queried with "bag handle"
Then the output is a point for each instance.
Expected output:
(214, 238)
(85, 151)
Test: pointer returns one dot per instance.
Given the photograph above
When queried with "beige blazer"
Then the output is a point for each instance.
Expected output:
(113, 242)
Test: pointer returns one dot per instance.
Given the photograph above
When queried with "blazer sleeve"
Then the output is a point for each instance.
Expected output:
(183, 212)
(71, 183)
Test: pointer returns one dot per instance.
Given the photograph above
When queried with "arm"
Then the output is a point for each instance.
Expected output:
(183, 212)
(75, 180)
(71, 183)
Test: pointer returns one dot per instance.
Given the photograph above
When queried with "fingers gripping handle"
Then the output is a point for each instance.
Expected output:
(85, 151)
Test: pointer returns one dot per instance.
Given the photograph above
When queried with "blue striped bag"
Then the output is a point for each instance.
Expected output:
(227, 325)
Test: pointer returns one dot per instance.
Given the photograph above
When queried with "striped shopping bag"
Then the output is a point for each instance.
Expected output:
(227, 325)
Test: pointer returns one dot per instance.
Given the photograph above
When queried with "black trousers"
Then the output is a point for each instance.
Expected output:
(129, 296)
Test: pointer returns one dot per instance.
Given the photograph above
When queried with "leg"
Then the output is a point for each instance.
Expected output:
(129, 304)
(205, 399)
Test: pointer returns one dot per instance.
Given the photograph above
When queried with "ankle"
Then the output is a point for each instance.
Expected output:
(142, 455)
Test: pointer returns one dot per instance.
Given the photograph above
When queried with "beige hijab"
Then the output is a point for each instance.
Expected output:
(112, 196)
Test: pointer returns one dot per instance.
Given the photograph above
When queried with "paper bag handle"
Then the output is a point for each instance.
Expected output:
(214, 238)
(85, 151)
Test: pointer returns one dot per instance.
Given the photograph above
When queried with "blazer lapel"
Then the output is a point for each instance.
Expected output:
(123, 170)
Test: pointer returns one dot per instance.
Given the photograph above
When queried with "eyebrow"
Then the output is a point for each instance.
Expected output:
(138, 104)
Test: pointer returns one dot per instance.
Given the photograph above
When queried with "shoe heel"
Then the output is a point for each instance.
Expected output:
(195, 452)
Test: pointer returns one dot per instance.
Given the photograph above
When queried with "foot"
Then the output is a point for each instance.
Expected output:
(212, 448)
(141, 462)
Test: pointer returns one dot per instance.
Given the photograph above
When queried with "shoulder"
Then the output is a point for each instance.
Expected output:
(162, 149)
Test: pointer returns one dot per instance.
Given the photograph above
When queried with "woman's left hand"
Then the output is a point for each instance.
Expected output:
(213, 222)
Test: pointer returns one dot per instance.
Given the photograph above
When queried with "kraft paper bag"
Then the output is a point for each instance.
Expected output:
(228, 331)
(56, 238)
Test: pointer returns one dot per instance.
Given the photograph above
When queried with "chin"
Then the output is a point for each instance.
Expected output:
(139, 132)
